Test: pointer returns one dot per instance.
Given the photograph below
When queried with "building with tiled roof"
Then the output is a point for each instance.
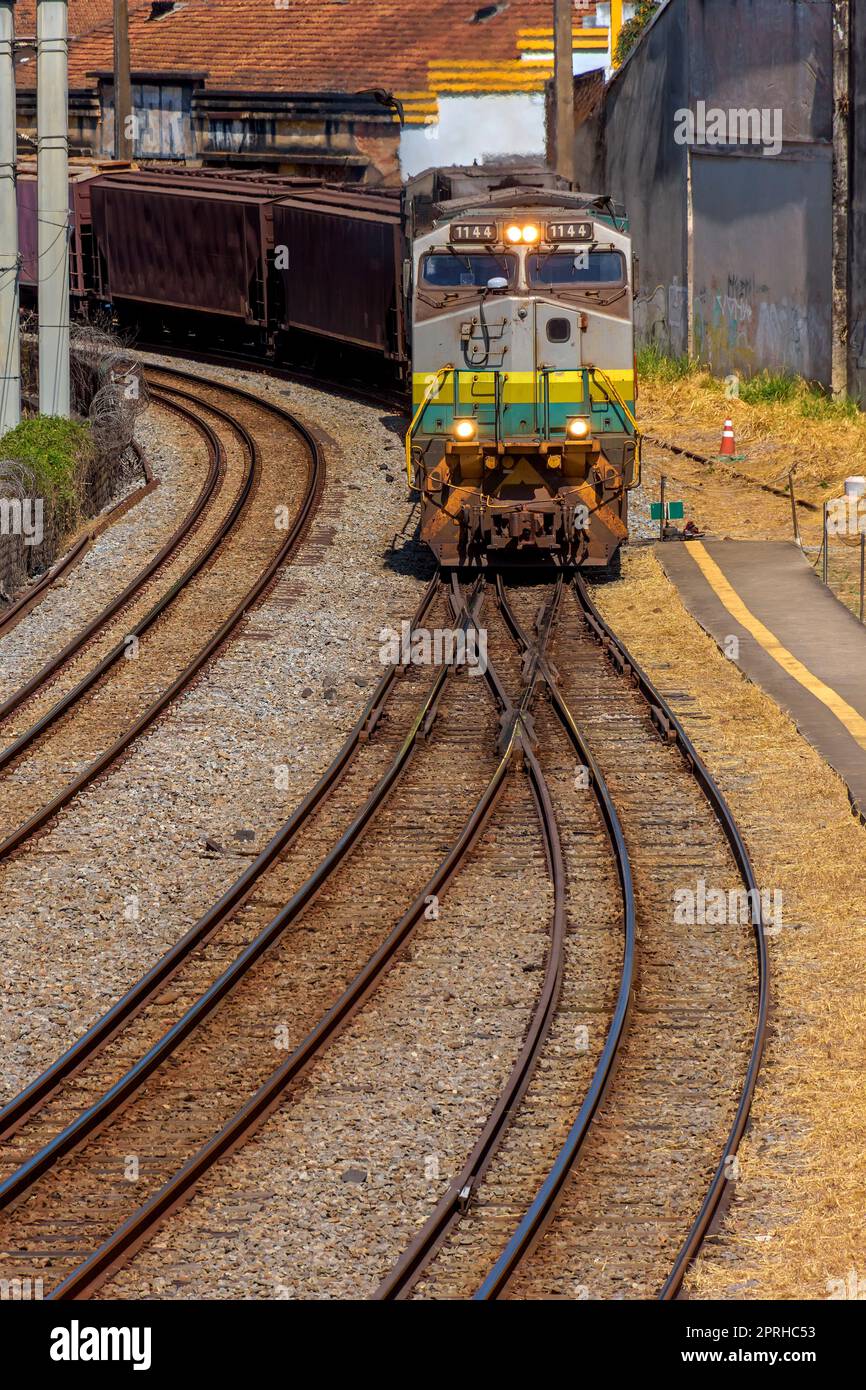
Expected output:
(83, 15)
(286, 83)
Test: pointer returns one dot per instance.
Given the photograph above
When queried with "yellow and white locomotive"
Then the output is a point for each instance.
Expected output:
(523, 441)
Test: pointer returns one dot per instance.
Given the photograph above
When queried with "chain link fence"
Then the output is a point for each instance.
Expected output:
(108, 391)
(841, 559)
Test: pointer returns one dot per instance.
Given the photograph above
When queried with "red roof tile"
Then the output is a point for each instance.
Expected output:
(83, 15)
(301, 45)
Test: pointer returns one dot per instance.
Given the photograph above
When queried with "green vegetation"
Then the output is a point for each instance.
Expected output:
(55, 451)
(769, 387)
(633, 28)
(765, 388)
(655, 365)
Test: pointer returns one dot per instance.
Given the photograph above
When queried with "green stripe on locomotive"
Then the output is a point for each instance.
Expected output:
(526, 407)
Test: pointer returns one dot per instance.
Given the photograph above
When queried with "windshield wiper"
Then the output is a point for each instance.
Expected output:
(457, 256)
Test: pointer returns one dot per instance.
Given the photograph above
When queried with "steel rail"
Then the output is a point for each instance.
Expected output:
(72, 697)
(670, 727)
(34, 595)
(403, 1276)
(537, 1217)
(112, 1100)
(34, 1096)
(315, 481)
(130, 1236)
(83, 638)
(541, 1210)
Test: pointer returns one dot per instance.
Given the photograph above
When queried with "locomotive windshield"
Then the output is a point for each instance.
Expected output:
(576, 268)
(456, 269)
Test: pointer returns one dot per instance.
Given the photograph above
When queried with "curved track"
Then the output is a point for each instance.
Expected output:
(64, 1189)
(233, 570)
(617, 1123)
(220, 1044)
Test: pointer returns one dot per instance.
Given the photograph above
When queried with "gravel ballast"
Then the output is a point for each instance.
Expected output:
(138, 856)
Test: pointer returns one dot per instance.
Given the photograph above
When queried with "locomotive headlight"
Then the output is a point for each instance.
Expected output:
(514, 233)
(465, 429)
(577, 428)
(530, 233)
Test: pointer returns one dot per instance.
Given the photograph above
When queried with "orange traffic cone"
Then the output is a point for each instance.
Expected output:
(728, 446)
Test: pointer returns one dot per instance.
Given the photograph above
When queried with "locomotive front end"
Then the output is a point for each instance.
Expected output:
(523, 440)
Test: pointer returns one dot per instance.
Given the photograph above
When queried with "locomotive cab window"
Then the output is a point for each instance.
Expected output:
(450, 271)
(591, 268)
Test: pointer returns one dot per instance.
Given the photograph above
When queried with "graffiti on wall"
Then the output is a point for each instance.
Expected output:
(739, 326)
(661, 318)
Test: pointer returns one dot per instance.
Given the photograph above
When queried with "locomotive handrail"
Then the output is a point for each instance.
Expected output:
(638, 436)
(544, 373)
(432, 386)
(436, 383)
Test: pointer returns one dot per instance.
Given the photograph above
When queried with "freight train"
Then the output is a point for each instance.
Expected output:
(501, 301)
(523, 441)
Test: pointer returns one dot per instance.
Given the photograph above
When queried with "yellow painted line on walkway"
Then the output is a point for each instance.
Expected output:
(845, 713)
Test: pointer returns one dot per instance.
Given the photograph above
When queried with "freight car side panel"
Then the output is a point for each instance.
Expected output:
(343, 275)
(182, 251)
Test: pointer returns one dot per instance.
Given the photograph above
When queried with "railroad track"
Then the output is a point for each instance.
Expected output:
(680, 1024)
(241, 980)
(181, 1071)
(66, 1140)
(78, 714)
(383, 397)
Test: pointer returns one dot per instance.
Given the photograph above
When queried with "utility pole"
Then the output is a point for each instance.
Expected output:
(841, 211)
(123, 141)
(52, 173)
(615, 29)
(10, 343)
(563, 87)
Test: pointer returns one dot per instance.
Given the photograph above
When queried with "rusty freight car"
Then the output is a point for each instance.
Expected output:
(342, 272)
(173, 253)
(279, 264)
(82, 173)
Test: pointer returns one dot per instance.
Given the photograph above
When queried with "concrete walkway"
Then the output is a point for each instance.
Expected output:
(796, 640)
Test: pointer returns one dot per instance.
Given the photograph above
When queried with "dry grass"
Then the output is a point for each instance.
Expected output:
(797, 1222)
(826, 441)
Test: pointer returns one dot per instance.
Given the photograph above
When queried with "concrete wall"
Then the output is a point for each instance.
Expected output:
(735, 242)
(761, 279)
(627, 150)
